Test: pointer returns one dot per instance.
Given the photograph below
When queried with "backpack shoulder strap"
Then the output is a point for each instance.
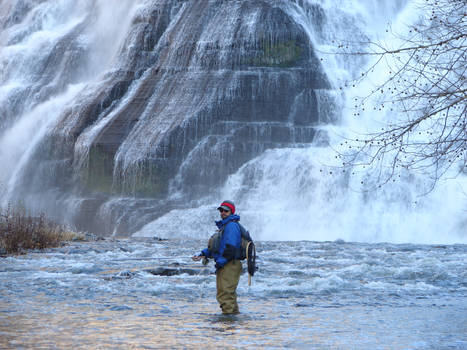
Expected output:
(245, 233)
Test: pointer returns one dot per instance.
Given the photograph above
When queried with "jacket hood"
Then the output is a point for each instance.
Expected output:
(224, 222)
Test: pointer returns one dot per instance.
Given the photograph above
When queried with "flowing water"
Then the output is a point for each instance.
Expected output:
(314, 288)
(148, 294)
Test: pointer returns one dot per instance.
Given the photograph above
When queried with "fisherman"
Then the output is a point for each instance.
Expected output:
(225, 253)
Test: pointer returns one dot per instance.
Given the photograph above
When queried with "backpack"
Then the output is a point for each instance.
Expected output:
(247, 249)
(246, 238)
(215, 241)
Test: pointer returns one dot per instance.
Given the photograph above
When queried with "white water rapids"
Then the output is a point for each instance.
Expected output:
(148, 294)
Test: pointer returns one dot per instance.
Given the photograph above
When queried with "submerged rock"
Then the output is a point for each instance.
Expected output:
(122, 275)
(170, 271)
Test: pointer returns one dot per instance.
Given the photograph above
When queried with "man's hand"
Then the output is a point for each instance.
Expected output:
(196, 257)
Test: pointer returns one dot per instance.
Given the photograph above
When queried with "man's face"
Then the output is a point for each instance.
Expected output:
(224, 213)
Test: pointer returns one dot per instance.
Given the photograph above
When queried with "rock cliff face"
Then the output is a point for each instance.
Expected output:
(198, 89)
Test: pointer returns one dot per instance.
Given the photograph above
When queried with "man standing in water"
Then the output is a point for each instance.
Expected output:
(224, 248)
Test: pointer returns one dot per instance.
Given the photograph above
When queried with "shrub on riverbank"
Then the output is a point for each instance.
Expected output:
(20, 231)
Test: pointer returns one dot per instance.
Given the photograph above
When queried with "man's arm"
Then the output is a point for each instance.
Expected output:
(204, 253)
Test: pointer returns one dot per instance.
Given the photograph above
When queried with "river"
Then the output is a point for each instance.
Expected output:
(146, 293)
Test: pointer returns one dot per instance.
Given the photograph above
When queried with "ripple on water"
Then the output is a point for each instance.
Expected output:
(328, 293)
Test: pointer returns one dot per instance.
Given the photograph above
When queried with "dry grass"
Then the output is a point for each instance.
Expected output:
(20, 231)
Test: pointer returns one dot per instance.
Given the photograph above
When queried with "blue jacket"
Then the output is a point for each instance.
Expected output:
(230, 244)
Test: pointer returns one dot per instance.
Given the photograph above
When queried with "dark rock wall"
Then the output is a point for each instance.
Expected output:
(200, 88)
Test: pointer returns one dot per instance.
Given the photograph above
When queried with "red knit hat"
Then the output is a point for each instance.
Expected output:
(227, 205)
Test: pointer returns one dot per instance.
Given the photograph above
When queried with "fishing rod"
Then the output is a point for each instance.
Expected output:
(141, 259)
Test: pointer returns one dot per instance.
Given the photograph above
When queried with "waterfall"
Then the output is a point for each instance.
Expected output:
(51, 51)
(143, 116)
(303, 194)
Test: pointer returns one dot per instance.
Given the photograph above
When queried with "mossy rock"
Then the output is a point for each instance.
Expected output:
(278, 54)
(151, 182)
(98, 175)
(148, 179)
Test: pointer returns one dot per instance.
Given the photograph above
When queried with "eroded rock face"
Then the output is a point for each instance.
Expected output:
(199, 88)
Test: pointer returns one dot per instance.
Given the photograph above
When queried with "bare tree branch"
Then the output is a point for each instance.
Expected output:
(425, 94)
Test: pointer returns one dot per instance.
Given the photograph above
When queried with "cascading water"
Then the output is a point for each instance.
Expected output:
(310, 195)
(50, 53)
(304, 194)
(113, 116)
